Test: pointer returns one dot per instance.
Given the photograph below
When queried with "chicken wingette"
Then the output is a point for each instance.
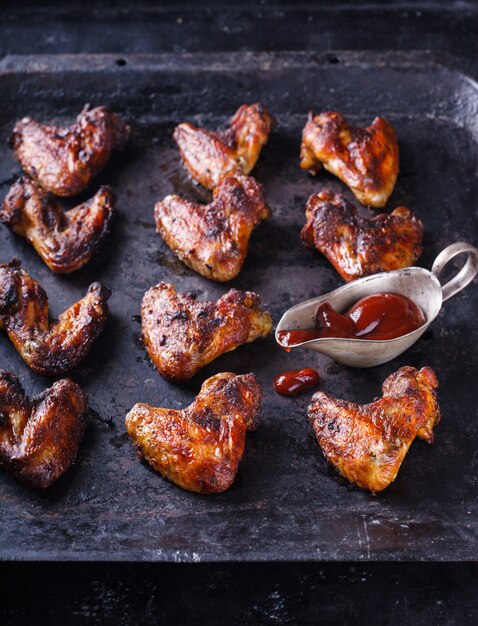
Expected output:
(65, 240)
(49, 348)
(182, 334)
(200, 447)
(359, 246)
(367, 443)
(365, 159)
(40, 436)
(64, 160)
(212, 239)
(211, 156)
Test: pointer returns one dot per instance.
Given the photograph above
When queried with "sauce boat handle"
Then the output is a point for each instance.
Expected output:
(467, 272)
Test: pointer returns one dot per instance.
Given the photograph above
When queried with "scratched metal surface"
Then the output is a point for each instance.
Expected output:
(286, 503)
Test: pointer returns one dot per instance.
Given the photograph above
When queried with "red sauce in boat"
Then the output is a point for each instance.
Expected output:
(381, 316)
(295, 381)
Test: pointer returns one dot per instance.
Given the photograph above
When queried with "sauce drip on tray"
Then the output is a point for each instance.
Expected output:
(381, 316)
(295, 381)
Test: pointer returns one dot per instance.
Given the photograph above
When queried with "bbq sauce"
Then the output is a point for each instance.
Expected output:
(381, 316)
(295, 381)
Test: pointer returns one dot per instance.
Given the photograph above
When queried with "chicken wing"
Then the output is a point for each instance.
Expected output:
(64, 160)
(358, 246)
(49, 348)
(365, 159)
(210, 156)
(64, 240)
(182, 335)
(367, 443)
(199, 448)
(39, 437)
(213, 239)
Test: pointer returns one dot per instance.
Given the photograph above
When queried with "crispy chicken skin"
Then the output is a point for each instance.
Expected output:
(64, 160)
(199, 448)
(182, 335)
(367, 443)
(64, 240)
(212, 239)
(365, 159)
(39, 437)
(358, 246)
(49, 348)
(210, 156)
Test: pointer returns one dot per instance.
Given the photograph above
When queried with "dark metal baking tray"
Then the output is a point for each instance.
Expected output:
(286, 503)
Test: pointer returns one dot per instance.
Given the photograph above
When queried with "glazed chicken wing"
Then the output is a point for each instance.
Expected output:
(365, 159)
(199, 448)
(213, 239)
(39, 437)
(64, 160)
(64, 240)
(49, 348)
(182, 335)
(358, 246)
(367, 443)
(210, 156)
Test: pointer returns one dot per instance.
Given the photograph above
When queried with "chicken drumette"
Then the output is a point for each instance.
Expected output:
(182, 335)
(49, 348)
(358, 246)
(64, 160)
(367, 443)
(365, 159)
(39, 437)
(213, 239)
(199, 448)
(210, 156)
(64, 240)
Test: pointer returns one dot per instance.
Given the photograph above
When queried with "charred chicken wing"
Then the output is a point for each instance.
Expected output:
(199, 448)
(210, 156)
(39, 437)
(64, 240)
(358, 246)
(49, 348)
(213, 239)
(182, 335)
(367, 443)
(365, 159)
(64, 160)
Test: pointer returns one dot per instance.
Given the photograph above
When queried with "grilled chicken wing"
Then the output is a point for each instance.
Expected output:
(365, 159)
(367, 443)
(358, 246)
(39, 437)
(64, 160)
(199, 448)
(210, 156)
(64, 240)
(213, 239)
(49, 348)
(183, 335)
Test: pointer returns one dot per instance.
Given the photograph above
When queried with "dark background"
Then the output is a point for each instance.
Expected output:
(298, 593)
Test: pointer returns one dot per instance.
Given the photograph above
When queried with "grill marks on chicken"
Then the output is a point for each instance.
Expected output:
(211, 156)
(365, 159)
(64, 240)
(200, 447)
(49, 348)
(213, 239)
(39, 437)
(182, 335)
(367, 443)
(358, 246)
(64, 160)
